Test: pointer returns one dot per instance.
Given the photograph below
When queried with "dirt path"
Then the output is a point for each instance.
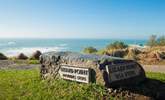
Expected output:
(154, 68)
(9, 64)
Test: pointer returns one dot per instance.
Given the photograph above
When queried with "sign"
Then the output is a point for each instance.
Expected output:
(75, 73)
(122, 71)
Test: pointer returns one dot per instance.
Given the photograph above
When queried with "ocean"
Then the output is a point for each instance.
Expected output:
(12, 47)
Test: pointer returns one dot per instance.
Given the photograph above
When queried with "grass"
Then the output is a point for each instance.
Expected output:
(27, 85)
(28, 61)
(158, 76)
(33, 62)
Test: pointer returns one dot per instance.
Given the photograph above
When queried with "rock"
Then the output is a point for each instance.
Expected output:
(117, 52)
(36, 55)
(2, 57)
(106, 70)
(21, 56)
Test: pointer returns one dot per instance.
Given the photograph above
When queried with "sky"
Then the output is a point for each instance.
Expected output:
(122, 19)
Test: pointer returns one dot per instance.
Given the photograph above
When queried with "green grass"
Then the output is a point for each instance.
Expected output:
(158, 76)
(27, 85)
(33, 62)
(28, 61)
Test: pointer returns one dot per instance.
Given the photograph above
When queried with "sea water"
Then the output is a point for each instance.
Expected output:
(12, 47)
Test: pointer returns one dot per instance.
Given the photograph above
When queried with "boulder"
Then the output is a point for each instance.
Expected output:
(117, 52)
(107, 70)
(36, 55)
(2, 57)
(22, 56)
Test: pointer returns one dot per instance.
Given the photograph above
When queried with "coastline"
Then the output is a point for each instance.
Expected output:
(12, 47)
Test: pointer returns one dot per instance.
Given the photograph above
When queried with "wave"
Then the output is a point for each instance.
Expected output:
(8, 43)
(11, 43)
(28, 51)
(63, 45)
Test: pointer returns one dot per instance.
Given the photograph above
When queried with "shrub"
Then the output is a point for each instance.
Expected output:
(101, 52)
(90, 50)
(33, 62)
(161, 41)
(117, 45)
(154, 41)
(2, 56)
(132, 54)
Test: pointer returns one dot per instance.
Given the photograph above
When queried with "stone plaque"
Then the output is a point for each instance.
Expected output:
(122, 71)
(75, 73)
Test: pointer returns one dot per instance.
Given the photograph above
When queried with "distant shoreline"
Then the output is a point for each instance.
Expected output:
(12, 47)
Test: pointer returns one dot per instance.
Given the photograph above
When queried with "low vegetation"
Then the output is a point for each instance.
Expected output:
(153, 54)
(154, 41)
(90, 50)
(3, 57)
(116, 45)
(27, 85)
(158, 76)
(27, 61)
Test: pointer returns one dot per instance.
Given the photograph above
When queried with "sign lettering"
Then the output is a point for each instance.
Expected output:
(122, 71)
(74, 73)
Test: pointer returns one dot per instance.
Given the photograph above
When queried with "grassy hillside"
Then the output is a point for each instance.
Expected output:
(27, 85)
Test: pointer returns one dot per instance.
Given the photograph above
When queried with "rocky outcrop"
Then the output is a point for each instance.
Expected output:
(52, 61)
(36, 55)
(22, 56)
(2, 57)
(117, 52)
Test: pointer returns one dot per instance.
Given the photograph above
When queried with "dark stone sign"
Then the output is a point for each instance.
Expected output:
(122, 71)
(75, 73)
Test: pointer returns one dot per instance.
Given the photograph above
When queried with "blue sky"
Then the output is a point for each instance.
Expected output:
(136, 19)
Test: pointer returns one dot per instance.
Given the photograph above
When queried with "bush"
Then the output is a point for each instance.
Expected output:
(33, 62)
(117, 45)
(101, 52)
(132, 54)
(152, 41)
(2, 57)
(161, 41)
(90, 50)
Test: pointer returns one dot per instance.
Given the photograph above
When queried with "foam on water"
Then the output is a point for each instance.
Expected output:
(28, 51)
